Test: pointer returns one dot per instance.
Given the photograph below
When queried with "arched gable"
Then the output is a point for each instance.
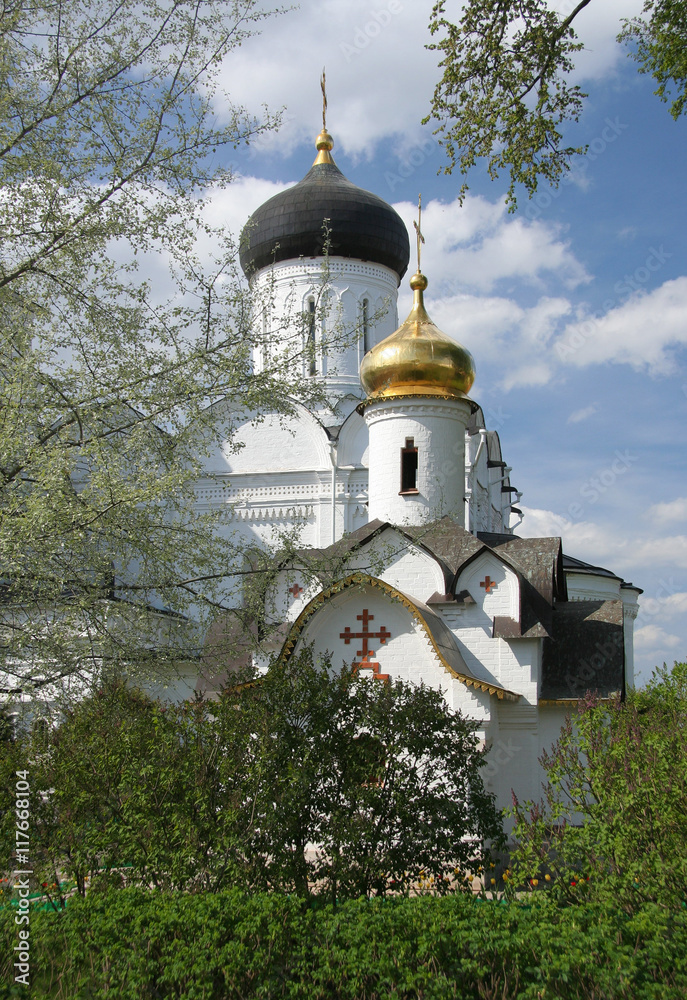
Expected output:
(269, 442)
(493, 586)
(371, 625)
(405, 565)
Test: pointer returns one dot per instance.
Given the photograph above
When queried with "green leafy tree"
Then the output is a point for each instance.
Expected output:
(303, 781)
(613, 820)
(505, 94)
(369, 786)
(116, 334)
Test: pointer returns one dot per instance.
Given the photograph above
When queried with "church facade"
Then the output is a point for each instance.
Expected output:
(396, 481)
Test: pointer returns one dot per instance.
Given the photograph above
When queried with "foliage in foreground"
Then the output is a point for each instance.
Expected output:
(304, 781)
(121, 319)
(139, 945)
(506, 93)
(613, 821)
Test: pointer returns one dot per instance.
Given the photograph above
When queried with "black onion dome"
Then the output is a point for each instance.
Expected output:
(290, 224)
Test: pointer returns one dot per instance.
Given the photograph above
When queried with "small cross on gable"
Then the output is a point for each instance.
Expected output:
(488, 584)
(295, 590)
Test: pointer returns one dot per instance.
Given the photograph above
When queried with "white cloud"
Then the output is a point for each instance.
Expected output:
(582, 539)
(669, 551)
(666, 513)
(655, 639)
(597, 27)
(373, 52)
(579, 415)
(366, 47)
(640, 332)
(476, 245)
(601, 544)
(663, 607)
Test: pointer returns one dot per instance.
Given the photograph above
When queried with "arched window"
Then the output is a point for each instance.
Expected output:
(366, 326)
(310, 349)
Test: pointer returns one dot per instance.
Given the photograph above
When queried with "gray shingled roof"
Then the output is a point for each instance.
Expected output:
(586, 651)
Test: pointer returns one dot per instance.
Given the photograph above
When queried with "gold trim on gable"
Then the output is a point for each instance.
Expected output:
(362, 579)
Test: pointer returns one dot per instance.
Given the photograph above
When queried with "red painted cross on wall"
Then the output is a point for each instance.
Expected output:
(366, 653)
(295, 590)
(488, 584)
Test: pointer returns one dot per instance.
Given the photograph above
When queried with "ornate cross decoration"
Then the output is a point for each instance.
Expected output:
(488, 585)
(366, 663)
(295, 590)
(420, 237)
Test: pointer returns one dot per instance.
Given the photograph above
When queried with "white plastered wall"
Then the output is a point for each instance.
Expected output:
(437, 427)
(282, 293)
(400, 563)
(406, 654)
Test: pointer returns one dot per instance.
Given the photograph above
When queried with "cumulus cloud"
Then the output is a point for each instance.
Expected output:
(585, 540)
(655, 639)
(667, 513)
(668, 551)
(474, 246)
(600, 544)
(665, 606)
(640, 332)
(368, 48)
(365, 45)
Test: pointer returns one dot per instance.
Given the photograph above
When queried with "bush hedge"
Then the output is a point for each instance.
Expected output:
(139, 945)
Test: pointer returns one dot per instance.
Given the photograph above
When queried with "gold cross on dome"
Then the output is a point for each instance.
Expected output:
(323, 85)
(420, 237)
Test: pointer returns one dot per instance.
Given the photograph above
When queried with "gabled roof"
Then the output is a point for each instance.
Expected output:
(538, 563)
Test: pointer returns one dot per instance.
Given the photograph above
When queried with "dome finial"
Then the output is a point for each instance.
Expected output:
(420, 237)
(417, 359)
(323, 85)
(324, 142)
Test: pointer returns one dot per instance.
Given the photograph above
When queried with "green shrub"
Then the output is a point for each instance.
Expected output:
(139, 945)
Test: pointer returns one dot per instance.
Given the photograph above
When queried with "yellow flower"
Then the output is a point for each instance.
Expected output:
(535, 881)
(493, 881)
(548, 878)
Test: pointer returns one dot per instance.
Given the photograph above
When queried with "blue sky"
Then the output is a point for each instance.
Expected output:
(574, 307)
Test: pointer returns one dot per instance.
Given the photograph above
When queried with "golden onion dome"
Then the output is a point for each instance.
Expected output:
(418, 359)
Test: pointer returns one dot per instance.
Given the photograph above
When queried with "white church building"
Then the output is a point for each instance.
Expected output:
(395, 478)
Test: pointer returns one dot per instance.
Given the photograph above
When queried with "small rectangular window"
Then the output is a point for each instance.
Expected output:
(409, 467)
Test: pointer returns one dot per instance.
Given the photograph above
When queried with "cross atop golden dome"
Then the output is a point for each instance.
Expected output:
(417, 359)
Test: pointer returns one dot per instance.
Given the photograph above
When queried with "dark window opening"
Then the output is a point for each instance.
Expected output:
(366, 332)
(311, 337)
(409, 467)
